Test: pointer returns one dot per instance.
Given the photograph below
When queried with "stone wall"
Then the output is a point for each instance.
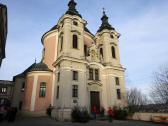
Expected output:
(146, 116)
(61, 114)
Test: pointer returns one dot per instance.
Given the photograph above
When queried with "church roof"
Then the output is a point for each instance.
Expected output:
(2, 5)
(87, 30)
(40, 67)
(34, 67)
(105, 24)
(23, 74)
(53, 28)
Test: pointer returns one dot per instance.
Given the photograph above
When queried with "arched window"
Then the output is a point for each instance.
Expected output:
(117, 80)
(118, 94)
(90, 74)
(61, 42)
(75, 41)
(85, 50)
(113, 52)
(101, 52)
(96, 74)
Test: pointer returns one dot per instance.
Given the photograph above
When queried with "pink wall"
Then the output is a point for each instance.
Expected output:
(28, 93)
(42, 104)
(88, 40)
(50, 51)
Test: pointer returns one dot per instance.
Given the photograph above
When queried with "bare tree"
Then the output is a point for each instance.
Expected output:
(159, 90)
(136, 99)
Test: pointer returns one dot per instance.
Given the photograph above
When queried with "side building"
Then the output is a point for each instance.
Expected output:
(3, 31)
(30, 95)
(6, 92)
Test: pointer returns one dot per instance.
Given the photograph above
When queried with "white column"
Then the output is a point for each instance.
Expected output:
(33, 97)
(53, 88)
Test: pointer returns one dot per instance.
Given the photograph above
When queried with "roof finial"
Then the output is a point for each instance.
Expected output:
(72, 5)
(105, 24)
(104, 11)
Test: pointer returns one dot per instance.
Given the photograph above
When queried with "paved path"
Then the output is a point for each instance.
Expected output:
(49, 122)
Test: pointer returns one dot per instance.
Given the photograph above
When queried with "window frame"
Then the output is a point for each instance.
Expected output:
(85, 50)
(75, 75)
(96, 74)
(117, 80)
(113, 52)
(58, 77)
(58, 90)
(42, 90)
(4, 90)
(75, 91)
(23, 86)
(75, 41)
(118, 94)
(91, 74)
(61, 43)
(101, 51)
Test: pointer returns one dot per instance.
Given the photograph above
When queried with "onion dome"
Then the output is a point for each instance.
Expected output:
(72, 8)
(105, 24)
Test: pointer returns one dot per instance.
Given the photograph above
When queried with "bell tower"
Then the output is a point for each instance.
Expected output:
(70, 33)
(107, 40)
(70, 64)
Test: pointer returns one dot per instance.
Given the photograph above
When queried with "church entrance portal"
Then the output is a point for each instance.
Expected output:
(95, 100)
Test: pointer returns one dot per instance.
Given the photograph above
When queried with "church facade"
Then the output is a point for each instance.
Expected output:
(77, 69)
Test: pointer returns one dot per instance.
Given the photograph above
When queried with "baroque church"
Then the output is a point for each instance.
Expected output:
(77, 69)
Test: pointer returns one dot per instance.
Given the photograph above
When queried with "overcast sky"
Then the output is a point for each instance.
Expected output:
(143, 25)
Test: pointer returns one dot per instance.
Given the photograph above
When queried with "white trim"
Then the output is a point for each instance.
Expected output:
(53, 90)
(95, 63)
(33, 97)
(114, 67)
(46, 73)
(56, 46)
(65, 16)
(61, 58)
(114, 75)
(69, 69)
